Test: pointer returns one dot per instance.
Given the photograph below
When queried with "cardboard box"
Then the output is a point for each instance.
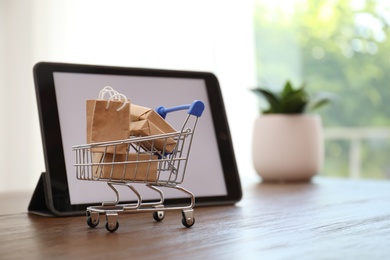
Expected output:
(147, 122)
(138, 167)
(147, 128)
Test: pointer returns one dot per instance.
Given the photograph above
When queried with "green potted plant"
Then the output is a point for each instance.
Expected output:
(288, 141)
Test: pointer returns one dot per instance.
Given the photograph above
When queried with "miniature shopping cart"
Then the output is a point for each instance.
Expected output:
(155, 161)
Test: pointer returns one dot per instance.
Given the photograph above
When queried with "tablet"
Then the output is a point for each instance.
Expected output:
(62, 90)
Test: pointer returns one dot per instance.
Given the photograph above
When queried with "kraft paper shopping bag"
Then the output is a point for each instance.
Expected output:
(108, 120)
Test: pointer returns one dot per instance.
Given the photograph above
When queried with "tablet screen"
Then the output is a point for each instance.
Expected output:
(62, 91)
(204, 174)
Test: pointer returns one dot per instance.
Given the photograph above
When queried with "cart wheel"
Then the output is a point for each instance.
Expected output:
(112, 227)
(92, 223)
(158, 215)
(188, 222)
(92, 219)
(188, 219)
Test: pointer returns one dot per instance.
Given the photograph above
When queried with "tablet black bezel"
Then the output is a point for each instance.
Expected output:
(57, 190)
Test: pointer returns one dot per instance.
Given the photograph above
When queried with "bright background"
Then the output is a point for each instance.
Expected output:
(340, 46)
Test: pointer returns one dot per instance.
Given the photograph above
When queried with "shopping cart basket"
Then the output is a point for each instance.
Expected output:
(156, 161)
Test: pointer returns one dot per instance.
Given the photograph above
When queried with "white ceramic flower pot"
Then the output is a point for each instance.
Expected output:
(287, 148)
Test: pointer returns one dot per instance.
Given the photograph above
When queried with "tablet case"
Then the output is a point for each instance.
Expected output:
(40, 203)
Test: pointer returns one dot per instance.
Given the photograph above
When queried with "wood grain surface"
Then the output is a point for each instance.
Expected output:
(324, 219)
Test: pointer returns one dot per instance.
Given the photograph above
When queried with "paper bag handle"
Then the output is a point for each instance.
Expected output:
(117, 96)
(195, 109)
(109, 90)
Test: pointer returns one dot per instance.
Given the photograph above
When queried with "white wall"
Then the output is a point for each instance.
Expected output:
(201, 35)
(21, 156)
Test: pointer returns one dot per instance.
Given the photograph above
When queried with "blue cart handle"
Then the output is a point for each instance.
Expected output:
(195, 109)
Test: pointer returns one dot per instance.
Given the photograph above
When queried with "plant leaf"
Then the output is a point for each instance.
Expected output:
(287, 90)
(295, 103)
(319, 100)
(271, 98)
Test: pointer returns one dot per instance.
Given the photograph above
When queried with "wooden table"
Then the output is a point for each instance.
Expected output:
(324, 219)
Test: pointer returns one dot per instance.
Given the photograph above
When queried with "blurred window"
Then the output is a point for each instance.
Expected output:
(340, 46)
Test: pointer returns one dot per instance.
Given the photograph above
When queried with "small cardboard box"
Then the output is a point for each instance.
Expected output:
(147, 128)
(147, 122)
(138, 167)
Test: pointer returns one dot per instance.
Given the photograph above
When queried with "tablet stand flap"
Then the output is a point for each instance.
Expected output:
(38, 200)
